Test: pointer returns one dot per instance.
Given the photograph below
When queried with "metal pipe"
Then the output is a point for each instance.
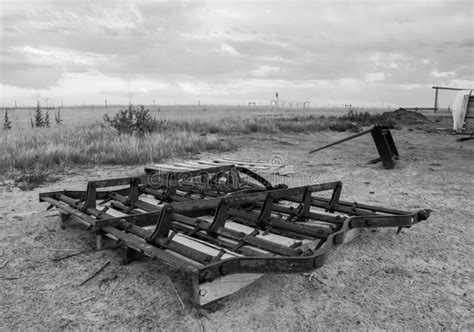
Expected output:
(448, 88)
(343, 140)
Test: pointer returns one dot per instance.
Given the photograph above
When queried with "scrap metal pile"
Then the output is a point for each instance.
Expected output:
(225, 225)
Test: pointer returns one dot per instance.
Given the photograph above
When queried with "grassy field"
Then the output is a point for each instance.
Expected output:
(20, 117)
(84, 138)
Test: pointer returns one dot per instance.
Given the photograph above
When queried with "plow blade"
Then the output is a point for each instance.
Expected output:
(226, 226)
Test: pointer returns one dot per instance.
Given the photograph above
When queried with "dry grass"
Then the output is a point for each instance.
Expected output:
(41, 149)
(83, 138)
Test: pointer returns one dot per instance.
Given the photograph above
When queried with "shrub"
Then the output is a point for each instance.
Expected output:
(6, 122)
(343, 125)
(31, 179)
(46, 121)
(133, 120)
(252, 127)
(57, 117)
(214, 129)
(361, 118)
(39, 121)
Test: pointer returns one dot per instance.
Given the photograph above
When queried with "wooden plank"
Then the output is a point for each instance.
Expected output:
(249, 162)
(151, 200)
(211, 163)
(112, 212)
(189, 165)
(203, 246)
(173, 167)
(158, 169)
(200, 163)
(196, 164)
(248, 165)
(205, 293)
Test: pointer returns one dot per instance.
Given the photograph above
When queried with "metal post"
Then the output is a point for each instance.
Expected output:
(436, 100)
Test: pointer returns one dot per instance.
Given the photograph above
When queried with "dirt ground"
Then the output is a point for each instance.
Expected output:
(419, 279)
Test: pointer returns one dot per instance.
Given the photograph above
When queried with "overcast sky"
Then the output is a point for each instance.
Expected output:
(232, 52)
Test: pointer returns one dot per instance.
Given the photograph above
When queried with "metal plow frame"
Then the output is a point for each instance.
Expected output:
(224, 225)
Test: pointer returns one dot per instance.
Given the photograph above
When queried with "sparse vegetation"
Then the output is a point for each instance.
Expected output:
(57, 117)
(32, 123)
(46, 121)
(39, 121)
(31, 179)
(46, 151)
(344, 125)
(134, 136)
(361, 118)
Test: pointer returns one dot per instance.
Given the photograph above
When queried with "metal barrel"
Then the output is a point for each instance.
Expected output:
(343, 140)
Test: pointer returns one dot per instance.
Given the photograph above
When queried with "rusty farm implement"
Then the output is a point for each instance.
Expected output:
(224, 225)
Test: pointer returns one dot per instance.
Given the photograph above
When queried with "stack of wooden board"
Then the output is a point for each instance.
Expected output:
(256, 166)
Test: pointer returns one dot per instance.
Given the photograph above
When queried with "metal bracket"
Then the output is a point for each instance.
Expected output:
(91, 197)
(220, 217)
(335, 197)
(134, 191)
(305, 203)
(266, 211)
(163, 224)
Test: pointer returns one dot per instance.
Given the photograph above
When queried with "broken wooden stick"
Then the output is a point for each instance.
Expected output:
(95, 273)
(4, 264)
(11, 278)
(71, 255)
(176, 291)
(52, 249)
(84, 300)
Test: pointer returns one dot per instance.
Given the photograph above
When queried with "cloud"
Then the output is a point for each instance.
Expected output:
(231, 50)
(443, 74)
(58, 57)
(264, 70)
(375, 77)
